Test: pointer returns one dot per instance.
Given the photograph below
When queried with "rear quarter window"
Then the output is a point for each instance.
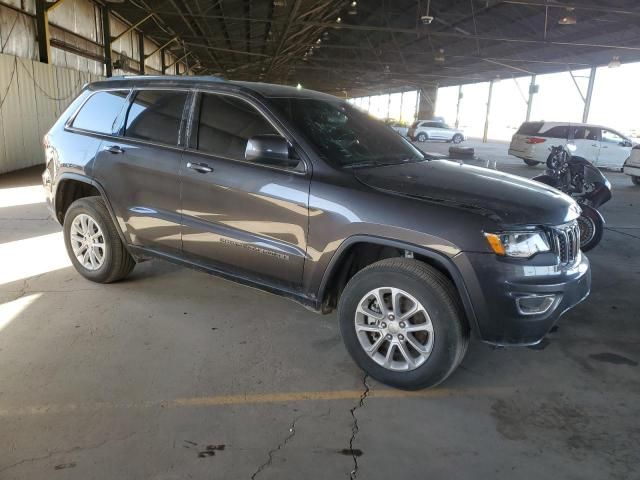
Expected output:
(557, 132)
(100, 112)
(530, 128)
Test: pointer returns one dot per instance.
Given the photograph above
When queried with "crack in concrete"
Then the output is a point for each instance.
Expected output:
(62, 452)
(292, 432)
(355, 428)
(622, 233)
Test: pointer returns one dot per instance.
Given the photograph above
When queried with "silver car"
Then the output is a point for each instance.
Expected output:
(423, 130)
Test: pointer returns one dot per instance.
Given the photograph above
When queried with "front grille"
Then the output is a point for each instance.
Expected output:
(565, 241)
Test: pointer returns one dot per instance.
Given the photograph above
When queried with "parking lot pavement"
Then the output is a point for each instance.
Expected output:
(174, 374)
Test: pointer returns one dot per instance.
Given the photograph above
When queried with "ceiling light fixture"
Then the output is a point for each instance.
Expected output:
(353, 8)
(426, 18)
(439, 57)
(615, 62)
(279, 3)
(569, 18)
(338, 20)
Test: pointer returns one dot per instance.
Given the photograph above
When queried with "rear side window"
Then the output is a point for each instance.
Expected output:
(529, 128)
(557, 132)
(155, 116)
(227, 123)
(100, 112)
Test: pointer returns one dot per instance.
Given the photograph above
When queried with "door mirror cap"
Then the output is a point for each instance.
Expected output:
(270, 150)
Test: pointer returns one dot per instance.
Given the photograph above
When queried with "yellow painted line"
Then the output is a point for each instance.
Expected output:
(252, 399)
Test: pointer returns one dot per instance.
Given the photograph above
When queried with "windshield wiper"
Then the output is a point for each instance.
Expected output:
(380, 164)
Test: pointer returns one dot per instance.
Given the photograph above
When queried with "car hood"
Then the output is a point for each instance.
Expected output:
(505, 198)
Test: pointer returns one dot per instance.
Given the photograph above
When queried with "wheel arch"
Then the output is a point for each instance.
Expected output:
(72, 186)
(337, 273)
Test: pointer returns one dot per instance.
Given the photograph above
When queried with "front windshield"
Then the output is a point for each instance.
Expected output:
(345, 136)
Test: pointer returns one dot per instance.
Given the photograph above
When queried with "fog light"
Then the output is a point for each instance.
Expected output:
(534, 304)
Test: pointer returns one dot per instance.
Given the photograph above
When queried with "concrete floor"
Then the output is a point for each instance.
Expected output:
(174, 374)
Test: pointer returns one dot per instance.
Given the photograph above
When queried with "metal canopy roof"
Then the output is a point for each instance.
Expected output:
(386, 45)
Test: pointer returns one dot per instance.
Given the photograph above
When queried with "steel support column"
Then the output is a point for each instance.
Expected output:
(587, 100)
(163, 61)
(532, 92)
(458, 106)
(141, 52)
(106, 41)
(486, 118)
(42, 28)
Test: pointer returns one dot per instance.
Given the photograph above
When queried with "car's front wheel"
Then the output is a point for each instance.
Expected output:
(635, 180)
(457, 138)
(402, 322)
(531, 163)
(93, 243)
(422, 137)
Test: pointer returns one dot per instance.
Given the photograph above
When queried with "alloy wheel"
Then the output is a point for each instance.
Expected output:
(394, 329)
(88, 242)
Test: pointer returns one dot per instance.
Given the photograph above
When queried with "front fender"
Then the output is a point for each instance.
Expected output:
(438, 259)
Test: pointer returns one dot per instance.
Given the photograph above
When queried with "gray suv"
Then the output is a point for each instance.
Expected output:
(301, 194)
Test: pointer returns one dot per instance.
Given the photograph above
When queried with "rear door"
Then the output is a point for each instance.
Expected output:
(587, 142)
(614, 149)
(140, 169)
(238, 216)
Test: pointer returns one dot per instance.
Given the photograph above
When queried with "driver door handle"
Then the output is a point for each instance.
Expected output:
(199, 167)
(115, 149)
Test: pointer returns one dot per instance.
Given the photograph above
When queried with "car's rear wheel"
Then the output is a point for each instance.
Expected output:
(635, 180)
(422, 137)
(93, 243)
(457, 138)
(402, 322)
(531, 163)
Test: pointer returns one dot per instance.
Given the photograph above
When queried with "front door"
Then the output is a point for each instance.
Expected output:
(238, 216)
(140, 170)
(587, 143)
(614, 150)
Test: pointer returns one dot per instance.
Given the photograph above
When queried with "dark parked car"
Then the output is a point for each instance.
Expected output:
(303, 195)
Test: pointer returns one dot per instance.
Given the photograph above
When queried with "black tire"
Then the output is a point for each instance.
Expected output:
(422, 137)
(117, 263)
(438, 296)
(457, 138)
(591, 221)
(635, 180)
(531, 163)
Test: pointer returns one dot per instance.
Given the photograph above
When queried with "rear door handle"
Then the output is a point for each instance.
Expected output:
(199, 167)
(115, 149)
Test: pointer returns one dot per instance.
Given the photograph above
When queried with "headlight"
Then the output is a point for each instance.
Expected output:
(518, 244)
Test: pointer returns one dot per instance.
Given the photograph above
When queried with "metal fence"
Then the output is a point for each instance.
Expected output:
(32, 97)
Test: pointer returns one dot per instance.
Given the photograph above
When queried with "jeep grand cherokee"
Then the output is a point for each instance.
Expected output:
(301, 194)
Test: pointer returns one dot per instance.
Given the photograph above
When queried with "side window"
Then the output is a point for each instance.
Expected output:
(586, 133)
(99, 113)
(226, 124)
(611, 137)
(557, 132)
(155, 115)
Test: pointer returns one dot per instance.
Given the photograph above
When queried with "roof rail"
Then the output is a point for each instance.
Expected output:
(209, 78)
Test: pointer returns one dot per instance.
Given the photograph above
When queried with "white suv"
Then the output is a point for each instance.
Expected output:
(423, 130)
(632, 165)
(602, 146)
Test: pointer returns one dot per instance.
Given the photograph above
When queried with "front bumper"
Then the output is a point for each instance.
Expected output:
(494, 283)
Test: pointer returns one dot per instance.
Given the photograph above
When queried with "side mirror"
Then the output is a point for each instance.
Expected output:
(270, 150)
